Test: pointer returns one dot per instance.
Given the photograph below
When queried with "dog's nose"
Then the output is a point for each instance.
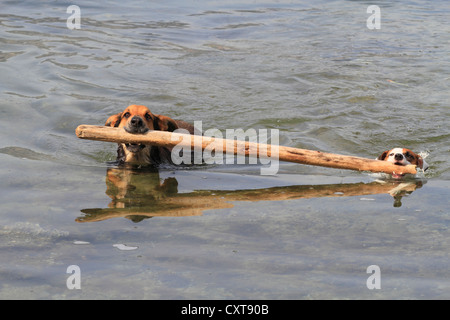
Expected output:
(136, 121)
(398, 156)
(136, 125)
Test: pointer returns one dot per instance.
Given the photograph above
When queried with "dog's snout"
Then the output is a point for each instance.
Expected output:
(136, 125)
(136, 121)
(398, 156)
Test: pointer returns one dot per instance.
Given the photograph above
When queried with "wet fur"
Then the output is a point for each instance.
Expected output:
(138, 120)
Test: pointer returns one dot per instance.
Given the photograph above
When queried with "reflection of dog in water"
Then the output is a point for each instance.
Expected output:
(132, 188)
(404, 189)
(138, 194)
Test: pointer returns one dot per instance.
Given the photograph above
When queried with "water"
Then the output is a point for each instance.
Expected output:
(312, 70)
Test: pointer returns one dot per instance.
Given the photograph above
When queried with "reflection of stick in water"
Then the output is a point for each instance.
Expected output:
(137, 195)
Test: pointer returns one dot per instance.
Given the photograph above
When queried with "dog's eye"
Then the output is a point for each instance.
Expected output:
(148, 116)
(126, 115)
(391, 155)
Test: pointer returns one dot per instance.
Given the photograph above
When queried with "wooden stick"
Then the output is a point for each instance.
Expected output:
(245, 148)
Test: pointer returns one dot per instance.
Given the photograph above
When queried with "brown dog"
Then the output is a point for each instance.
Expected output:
(138, 120)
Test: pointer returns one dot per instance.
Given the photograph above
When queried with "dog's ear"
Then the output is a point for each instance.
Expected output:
(114, 120)
(383, 155)
(164, 123)
(421, 163)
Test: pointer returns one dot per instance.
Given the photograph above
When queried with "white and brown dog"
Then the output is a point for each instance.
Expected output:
(403, 157)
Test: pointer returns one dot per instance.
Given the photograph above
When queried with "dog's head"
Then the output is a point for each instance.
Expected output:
(403, 157)
(138, 120)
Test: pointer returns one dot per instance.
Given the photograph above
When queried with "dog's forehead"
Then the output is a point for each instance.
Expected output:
(136, 109)
(397, 150)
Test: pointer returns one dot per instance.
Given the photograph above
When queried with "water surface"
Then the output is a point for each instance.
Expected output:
(314, 71)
